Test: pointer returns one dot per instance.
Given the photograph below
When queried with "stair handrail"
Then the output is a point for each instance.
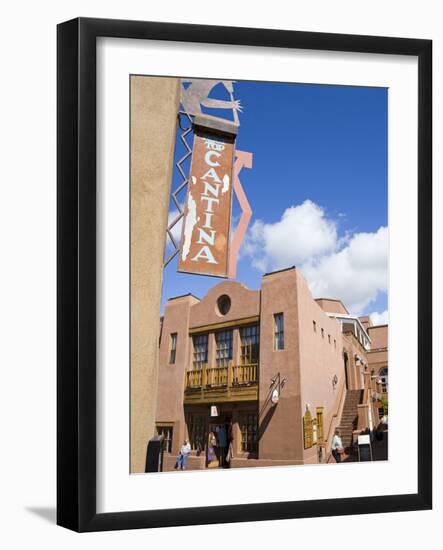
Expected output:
(334, 422)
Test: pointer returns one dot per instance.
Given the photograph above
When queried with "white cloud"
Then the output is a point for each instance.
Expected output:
(379, 318)
(355, 274)
(353, 269)
(303, 232)
(177, 229)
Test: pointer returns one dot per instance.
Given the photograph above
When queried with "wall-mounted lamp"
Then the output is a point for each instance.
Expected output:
(334, 381)
(275, 397)
(276, 386)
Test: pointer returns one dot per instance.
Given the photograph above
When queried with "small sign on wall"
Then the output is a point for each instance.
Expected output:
(214, 411)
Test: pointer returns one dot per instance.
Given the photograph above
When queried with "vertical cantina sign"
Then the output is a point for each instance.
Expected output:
(207, 213)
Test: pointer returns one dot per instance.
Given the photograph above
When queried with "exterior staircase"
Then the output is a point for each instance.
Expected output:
(349, 417)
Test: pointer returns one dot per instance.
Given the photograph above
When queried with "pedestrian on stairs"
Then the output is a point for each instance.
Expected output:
(337, 446)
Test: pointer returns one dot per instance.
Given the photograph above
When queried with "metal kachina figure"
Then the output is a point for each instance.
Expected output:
(195, 93)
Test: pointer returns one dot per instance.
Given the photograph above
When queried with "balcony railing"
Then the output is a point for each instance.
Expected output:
(233, 375)
(244, 374)
(222, 382)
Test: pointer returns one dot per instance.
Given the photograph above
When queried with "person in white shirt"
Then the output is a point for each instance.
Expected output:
(183, 456)
(337, 446)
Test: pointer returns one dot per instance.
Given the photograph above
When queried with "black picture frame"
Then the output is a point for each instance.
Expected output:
(76, 278)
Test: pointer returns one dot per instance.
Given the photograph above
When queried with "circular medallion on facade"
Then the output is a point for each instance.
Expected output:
(224, 304)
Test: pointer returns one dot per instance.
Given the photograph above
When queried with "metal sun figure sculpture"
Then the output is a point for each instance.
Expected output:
(196, 94)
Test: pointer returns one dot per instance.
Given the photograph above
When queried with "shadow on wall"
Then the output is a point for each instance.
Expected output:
(264, 422)
(46, 513)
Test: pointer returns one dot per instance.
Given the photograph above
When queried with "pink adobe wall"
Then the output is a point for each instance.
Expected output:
(377, 360)
(365, 321)
(172, 376)
(332, 306)
(280, 425)
(378, 336)
(244, 303)
(352, 347)
(320, 359)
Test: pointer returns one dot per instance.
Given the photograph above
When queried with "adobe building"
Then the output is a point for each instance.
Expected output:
(274, 367)
(378, 356)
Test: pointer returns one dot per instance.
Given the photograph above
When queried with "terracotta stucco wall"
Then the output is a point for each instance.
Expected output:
(280, 425)
(244, 303)
(353, 348)
(379, 336)
(365, 321)
(332, 306)
(154, 107)
(377, 360)
(172, 375)
(321, 358)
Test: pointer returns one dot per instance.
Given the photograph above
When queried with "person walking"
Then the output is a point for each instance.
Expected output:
(212, 457)
(183, 456)
(337, 446)
(230, 453)
(222, 443)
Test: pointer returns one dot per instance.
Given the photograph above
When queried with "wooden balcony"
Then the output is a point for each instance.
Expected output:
(221, 384)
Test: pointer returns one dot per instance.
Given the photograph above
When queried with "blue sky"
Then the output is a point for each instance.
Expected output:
(318, 190)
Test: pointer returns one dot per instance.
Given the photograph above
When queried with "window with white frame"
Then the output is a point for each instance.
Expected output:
(173, 348)
(279, 332)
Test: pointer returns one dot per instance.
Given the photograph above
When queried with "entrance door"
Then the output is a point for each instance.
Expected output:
(218, 442)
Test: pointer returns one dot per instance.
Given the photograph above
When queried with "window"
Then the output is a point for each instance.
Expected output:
(173, 348)
(329, 338)
(250, 344)
(200, 354)
(166, 432)
(279, 335)
(314, 326)
(223, 348)
(249, 432)
(197, 432)
(335, 343)
(320, 429)
(322, 333)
